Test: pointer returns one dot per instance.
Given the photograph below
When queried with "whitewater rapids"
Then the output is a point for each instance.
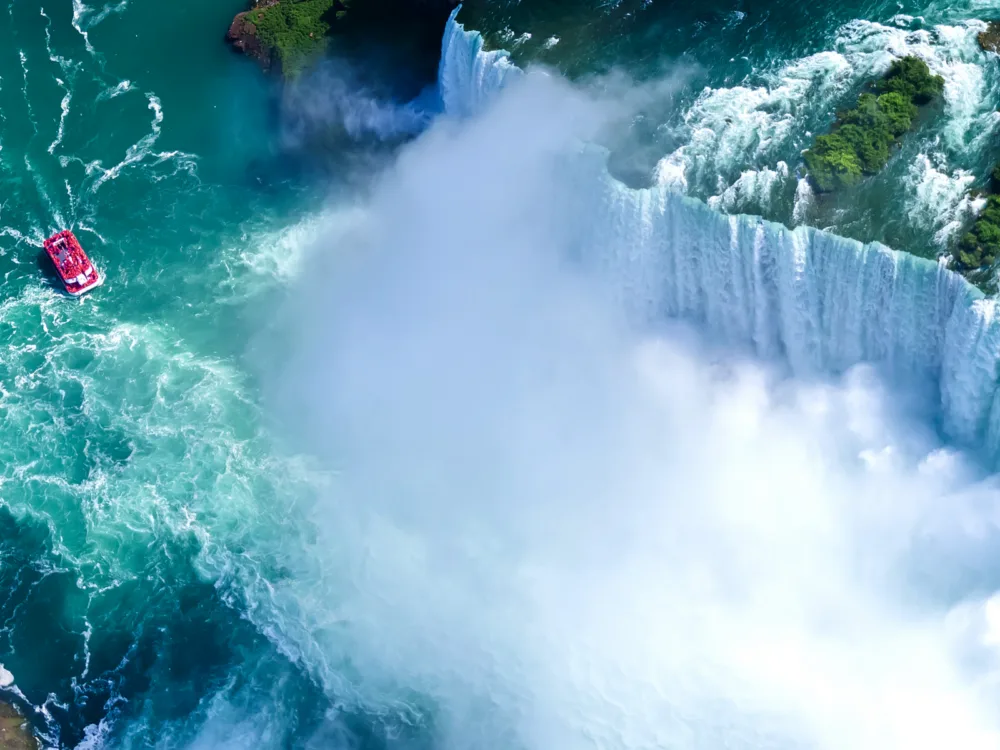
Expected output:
(822, 302)
(552, 518)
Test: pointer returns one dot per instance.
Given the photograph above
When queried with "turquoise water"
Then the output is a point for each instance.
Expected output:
(751, 83)
(149, 511)
(131, 444)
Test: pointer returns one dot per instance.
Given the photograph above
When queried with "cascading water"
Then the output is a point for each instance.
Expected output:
(520, 521)
(821, 301)
(557, 525)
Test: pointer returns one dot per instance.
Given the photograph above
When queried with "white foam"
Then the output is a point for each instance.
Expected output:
(79, 11)
(727, 127)
(84, 18)
(42, 192)
(137, 152)
(68, 68)
(941, 203)
(754, 191)
(730, 131)
(95, 736)
(19, 236)
(949, 51)
(466, 71)
(527, 524)
(64, 107)
(24, 89)
(6, 678)
(822, 301)
(65, 64)
(670, 172)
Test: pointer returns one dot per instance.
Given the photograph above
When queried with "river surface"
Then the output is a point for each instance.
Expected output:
(167, 577)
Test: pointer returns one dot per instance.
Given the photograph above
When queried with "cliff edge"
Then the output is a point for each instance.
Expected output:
(287, 36)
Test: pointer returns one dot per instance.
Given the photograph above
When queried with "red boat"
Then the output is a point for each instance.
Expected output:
(72, 264)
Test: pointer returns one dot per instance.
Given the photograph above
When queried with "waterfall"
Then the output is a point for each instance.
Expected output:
(820, 301)
(468, 76)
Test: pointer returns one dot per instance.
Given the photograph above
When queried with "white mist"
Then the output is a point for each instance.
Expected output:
(551, 527)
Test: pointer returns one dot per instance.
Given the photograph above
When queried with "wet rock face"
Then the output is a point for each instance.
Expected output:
(422, 17)
(15, 734)
(989, 40)
(242, 35)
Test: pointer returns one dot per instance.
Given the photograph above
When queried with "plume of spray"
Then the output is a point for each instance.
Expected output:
(332, 98)
(551, 527)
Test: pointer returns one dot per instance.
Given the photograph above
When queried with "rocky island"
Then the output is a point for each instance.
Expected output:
(989, 40)
(863, 137)
(287, 36)
(284, 34)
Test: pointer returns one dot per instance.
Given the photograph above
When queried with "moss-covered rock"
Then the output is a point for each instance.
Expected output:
(287, 34)
(862, 138)
(295, 31)
(989, 40)
(911, 77)
(979, 248)
(15, 733)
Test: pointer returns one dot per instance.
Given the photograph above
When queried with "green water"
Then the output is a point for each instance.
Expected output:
(147, 515)
(746, 84)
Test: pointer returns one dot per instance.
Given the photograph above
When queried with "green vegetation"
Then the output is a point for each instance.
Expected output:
(979, 248)
(911, 77)
(989, 40)
(863, 137)
(294, 30)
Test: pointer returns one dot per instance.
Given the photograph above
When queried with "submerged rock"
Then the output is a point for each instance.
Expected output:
(15, 732)
(989, 40)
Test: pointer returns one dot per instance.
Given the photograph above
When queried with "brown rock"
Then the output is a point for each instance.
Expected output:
(989, 40)
(15, 733)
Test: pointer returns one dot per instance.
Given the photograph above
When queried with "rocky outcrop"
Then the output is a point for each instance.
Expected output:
(989, 40)
(242, 35)
(15, 733)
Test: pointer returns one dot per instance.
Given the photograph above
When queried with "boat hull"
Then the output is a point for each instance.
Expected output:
(74, 268)
(84, 289)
